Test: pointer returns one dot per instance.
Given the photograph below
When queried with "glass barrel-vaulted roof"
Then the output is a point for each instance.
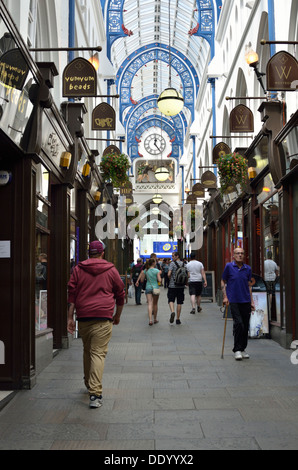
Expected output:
(148, 20)
(144, 36)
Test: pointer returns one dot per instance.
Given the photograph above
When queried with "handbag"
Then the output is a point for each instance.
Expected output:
(156, 291)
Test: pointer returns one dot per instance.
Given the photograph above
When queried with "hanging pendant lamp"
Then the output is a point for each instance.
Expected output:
(170, 101)
(162, 174)
(157, 199)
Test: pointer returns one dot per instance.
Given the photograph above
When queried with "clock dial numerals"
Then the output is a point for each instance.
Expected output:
(155, 144)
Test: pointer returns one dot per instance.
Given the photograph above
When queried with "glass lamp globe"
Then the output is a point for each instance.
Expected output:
(162, 174)
(252, 58)
(157, 199)
(170, 102)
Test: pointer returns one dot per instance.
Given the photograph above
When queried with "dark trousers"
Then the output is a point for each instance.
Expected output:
(241, 316)
(138, 293)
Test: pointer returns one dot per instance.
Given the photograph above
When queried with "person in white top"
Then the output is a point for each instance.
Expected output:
(271, 271)
(196, 276)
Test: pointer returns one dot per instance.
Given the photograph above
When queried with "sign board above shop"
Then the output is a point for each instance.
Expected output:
(282, 72)
(13, 69)
(103, 118)
(241, 119)
(220, 150)
(112, 149)
(79, 79)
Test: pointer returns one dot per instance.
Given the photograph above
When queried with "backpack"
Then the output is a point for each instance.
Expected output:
(136, 272)
(181, 276)
(40, 272)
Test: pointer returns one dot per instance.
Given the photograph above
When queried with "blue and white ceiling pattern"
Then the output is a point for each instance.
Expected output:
(138, 35)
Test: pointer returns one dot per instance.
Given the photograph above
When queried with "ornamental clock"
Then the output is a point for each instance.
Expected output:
(155, 144)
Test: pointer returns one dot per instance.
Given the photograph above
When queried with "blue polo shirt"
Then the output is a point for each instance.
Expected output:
(237, 280)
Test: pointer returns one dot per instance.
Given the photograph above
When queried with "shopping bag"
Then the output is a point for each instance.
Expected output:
(131, 291)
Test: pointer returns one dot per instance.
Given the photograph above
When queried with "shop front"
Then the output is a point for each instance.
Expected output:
(287, 144)
(46, 202)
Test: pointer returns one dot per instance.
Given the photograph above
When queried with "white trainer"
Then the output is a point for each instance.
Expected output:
(238, 356)
(245, 355)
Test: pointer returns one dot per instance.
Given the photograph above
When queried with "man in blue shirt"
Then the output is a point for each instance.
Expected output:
(237, 293)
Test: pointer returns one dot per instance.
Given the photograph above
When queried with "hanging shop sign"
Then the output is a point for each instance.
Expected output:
(126, 190)
(241, 119)
(208, 179)
(112, 149)
(192, 199)
(220, 150)
(282, 72)
(79, 79)
(198, 190)
(13, 69)
(103, 118)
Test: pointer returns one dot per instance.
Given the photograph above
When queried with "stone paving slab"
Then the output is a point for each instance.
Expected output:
(166, 388)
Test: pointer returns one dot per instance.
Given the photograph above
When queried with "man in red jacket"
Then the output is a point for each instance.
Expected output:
(93, 289)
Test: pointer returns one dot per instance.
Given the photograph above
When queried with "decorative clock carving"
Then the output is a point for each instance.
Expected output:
(155, 144)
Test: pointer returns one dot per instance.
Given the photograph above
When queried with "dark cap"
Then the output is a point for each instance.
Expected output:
(96, 248)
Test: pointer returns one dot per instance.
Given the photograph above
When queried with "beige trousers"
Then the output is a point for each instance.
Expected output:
(96, 336)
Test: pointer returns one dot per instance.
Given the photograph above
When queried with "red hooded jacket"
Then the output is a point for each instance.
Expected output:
(94, 287)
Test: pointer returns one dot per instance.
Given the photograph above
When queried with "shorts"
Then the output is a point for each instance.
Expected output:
(195, 288)
(176, 292)
(270, 285)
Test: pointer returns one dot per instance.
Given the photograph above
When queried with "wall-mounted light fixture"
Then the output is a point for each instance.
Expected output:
(86, 169)
(252, 59)
(97, 195)
(94, 60)
(251, 173)
(65, 160)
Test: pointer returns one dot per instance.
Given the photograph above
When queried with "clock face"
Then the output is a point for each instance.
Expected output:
(155, 144)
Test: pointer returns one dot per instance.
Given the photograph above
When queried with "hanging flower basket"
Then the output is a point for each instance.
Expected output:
(114, 169)
(232, 170)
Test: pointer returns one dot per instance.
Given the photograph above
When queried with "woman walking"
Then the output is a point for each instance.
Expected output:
(153, 277)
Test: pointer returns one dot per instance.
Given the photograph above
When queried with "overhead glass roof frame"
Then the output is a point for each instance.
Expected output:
(133, 25)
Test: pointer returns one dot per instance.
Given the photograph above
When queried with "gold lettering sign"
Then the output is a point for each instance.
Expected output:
(79, 79)
(112, 149)
(241, 119)
(220, 150)
(103, 118)
(192, 199)
(198, 190)
(282, 72)
(126, 190)
(13, 69)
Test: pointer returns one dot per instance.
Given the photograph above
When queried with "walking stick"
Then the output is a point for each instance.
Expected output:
(224, 337)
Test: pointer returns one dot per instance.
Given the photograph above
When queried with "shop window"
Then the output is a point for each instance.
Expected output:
(271, 263)
(41, 282)
(289, 149)
(258, 159)
(42, 243)
(264, 188)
